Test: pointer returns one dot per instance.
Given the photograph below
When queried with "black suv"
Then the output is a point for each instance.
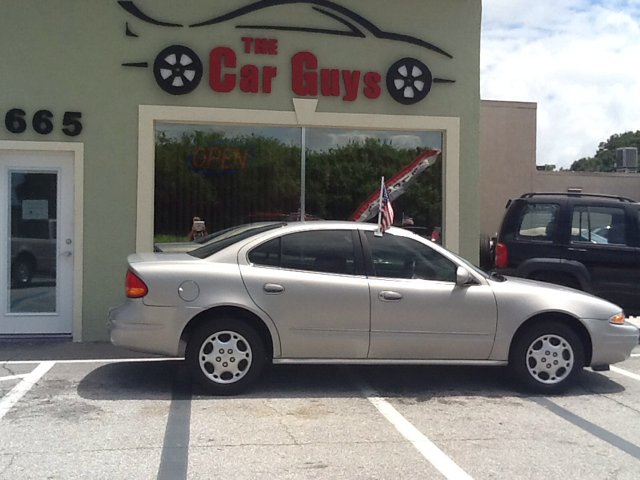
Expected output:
(586, 241)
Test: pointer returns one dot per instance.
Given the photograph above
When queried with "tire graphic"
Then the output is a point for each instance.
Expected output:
(409, 81)
(177, 70)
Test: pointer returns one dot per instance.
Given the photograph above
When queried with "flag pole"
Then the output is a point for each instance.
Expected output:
(378, 233)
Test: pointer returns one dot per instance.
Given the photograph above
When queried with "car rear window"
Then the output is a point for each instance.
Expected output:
(233, 236)
(538, 221)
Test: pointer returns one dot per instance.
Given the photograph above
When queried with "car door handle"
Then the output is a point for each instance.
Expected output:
(389, 296)
(66, 253)
(574, 249)
(272, 288)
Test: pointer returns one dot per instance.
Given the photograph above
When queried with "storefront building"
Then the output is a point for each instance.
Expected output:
(124, 120)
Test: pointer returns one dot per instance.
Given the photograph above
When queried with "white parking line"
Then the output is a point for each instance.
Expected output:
(12, 377)
(16, 393)
(433, 454)
(94, 360)
(625, 373)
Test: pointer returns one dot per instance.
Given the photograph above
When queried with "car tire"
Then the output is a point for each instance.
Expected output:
(225, 357)
(21, 273)
(546, 357)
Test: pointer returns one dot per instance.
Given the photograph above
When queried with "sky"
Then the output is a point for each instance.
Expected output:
(579, 60)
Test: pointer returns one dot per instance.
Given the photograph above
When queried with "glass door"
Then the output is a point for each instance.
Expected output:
(37, 216)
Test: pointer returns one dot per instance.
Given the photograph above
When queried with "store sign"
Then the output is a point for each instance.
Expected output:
(219, 158)
(178, 69)
(307, 79)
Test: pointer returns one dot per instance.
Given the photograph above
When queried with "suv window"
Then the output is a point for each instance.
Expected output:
(327, 251)
(593, 224)
(401, 257)
(538, 221)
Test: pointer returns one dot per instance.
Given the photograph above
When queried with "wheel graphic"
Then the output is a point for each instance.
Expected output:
(177, 70)
(409, 81)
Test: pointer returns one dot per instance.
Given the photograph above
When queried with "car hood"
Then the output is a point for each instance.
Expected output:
(532, 297)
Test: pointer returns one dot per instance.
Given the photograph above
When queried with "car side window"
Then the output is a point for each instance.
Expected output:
(401, 257)
(538, 221)
(326, 251)
(601, 225)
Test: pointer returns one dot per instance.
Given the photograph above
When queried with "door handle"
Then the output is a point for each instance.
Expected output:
(574, 249)
(389, 296)
(272, 288)
(66, 253)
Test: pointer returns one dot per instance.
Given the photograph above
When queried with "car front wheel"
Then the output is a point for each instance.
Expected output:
(225, 357)
(547, 357)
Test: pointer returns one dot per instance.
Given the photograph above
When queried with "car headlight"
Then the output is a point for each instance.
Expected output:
(617, 319)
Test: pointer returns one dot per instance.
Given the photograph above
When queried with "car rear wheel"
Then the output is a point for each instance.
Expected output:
(225, 357)
(546, 357)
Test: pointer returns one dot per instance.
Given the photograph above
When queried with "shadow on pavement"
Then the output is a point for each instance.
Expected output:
(158, 380)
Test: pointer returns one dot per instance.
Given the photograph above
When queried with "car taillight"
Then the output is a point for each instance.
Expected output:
(133, 286)
(501, 255)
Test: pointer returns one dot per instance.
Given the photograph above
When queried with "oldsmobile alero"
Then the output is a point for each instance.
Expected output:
(338, 292)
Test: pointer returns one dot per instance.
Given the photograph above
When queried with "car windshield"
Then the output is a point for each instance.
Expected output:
(231, 236)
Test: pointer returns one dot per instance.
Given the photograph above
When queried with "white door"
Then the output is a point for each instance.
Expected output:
(36, 227)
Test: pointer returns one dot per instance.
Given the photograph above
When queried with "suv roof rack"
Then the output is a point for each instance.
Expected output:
(578, 195)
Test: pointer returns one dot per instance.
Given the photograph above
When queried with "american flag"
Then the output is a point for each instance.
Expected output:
(386, 209)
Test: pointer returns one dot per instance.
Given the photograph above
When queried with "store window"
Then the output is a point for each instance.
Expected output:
(213, 177)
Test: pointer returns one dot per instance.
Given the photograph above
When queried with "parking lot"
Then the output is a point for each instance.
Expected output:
(82, 416)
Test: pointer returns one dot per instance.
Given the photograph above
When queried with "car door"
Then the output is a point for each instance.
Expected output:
(418, 311)
(308, 283)
(603, 239)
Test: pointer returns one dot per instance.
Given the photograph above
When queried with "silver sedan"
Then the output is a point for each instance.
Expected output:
(340, 292)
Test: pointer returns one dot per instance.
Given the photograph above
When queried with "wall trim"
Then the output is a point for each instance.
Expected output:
(77, 149)
(303, 115)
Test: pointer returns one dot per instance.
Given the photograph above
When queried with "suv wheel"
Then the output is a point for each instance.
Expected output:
(546, 357)
(225, 356)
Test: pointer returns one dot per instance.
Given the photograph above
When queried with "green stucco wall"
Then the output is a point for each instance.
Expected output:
(67, 55)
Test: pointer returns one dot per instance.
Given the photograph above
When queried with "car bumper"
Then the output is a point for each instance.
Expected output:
(611, 343)
(141, 328)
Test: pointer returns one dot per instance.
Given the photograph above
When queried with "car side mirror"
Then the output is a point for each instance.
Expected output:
(463, 277)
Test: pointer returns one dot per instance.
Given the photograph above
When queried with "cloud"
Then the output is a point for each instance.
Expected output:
(576, 58)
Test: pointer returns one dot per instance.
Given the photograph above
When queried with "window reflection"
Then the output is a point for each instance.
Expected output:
(33, 242)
